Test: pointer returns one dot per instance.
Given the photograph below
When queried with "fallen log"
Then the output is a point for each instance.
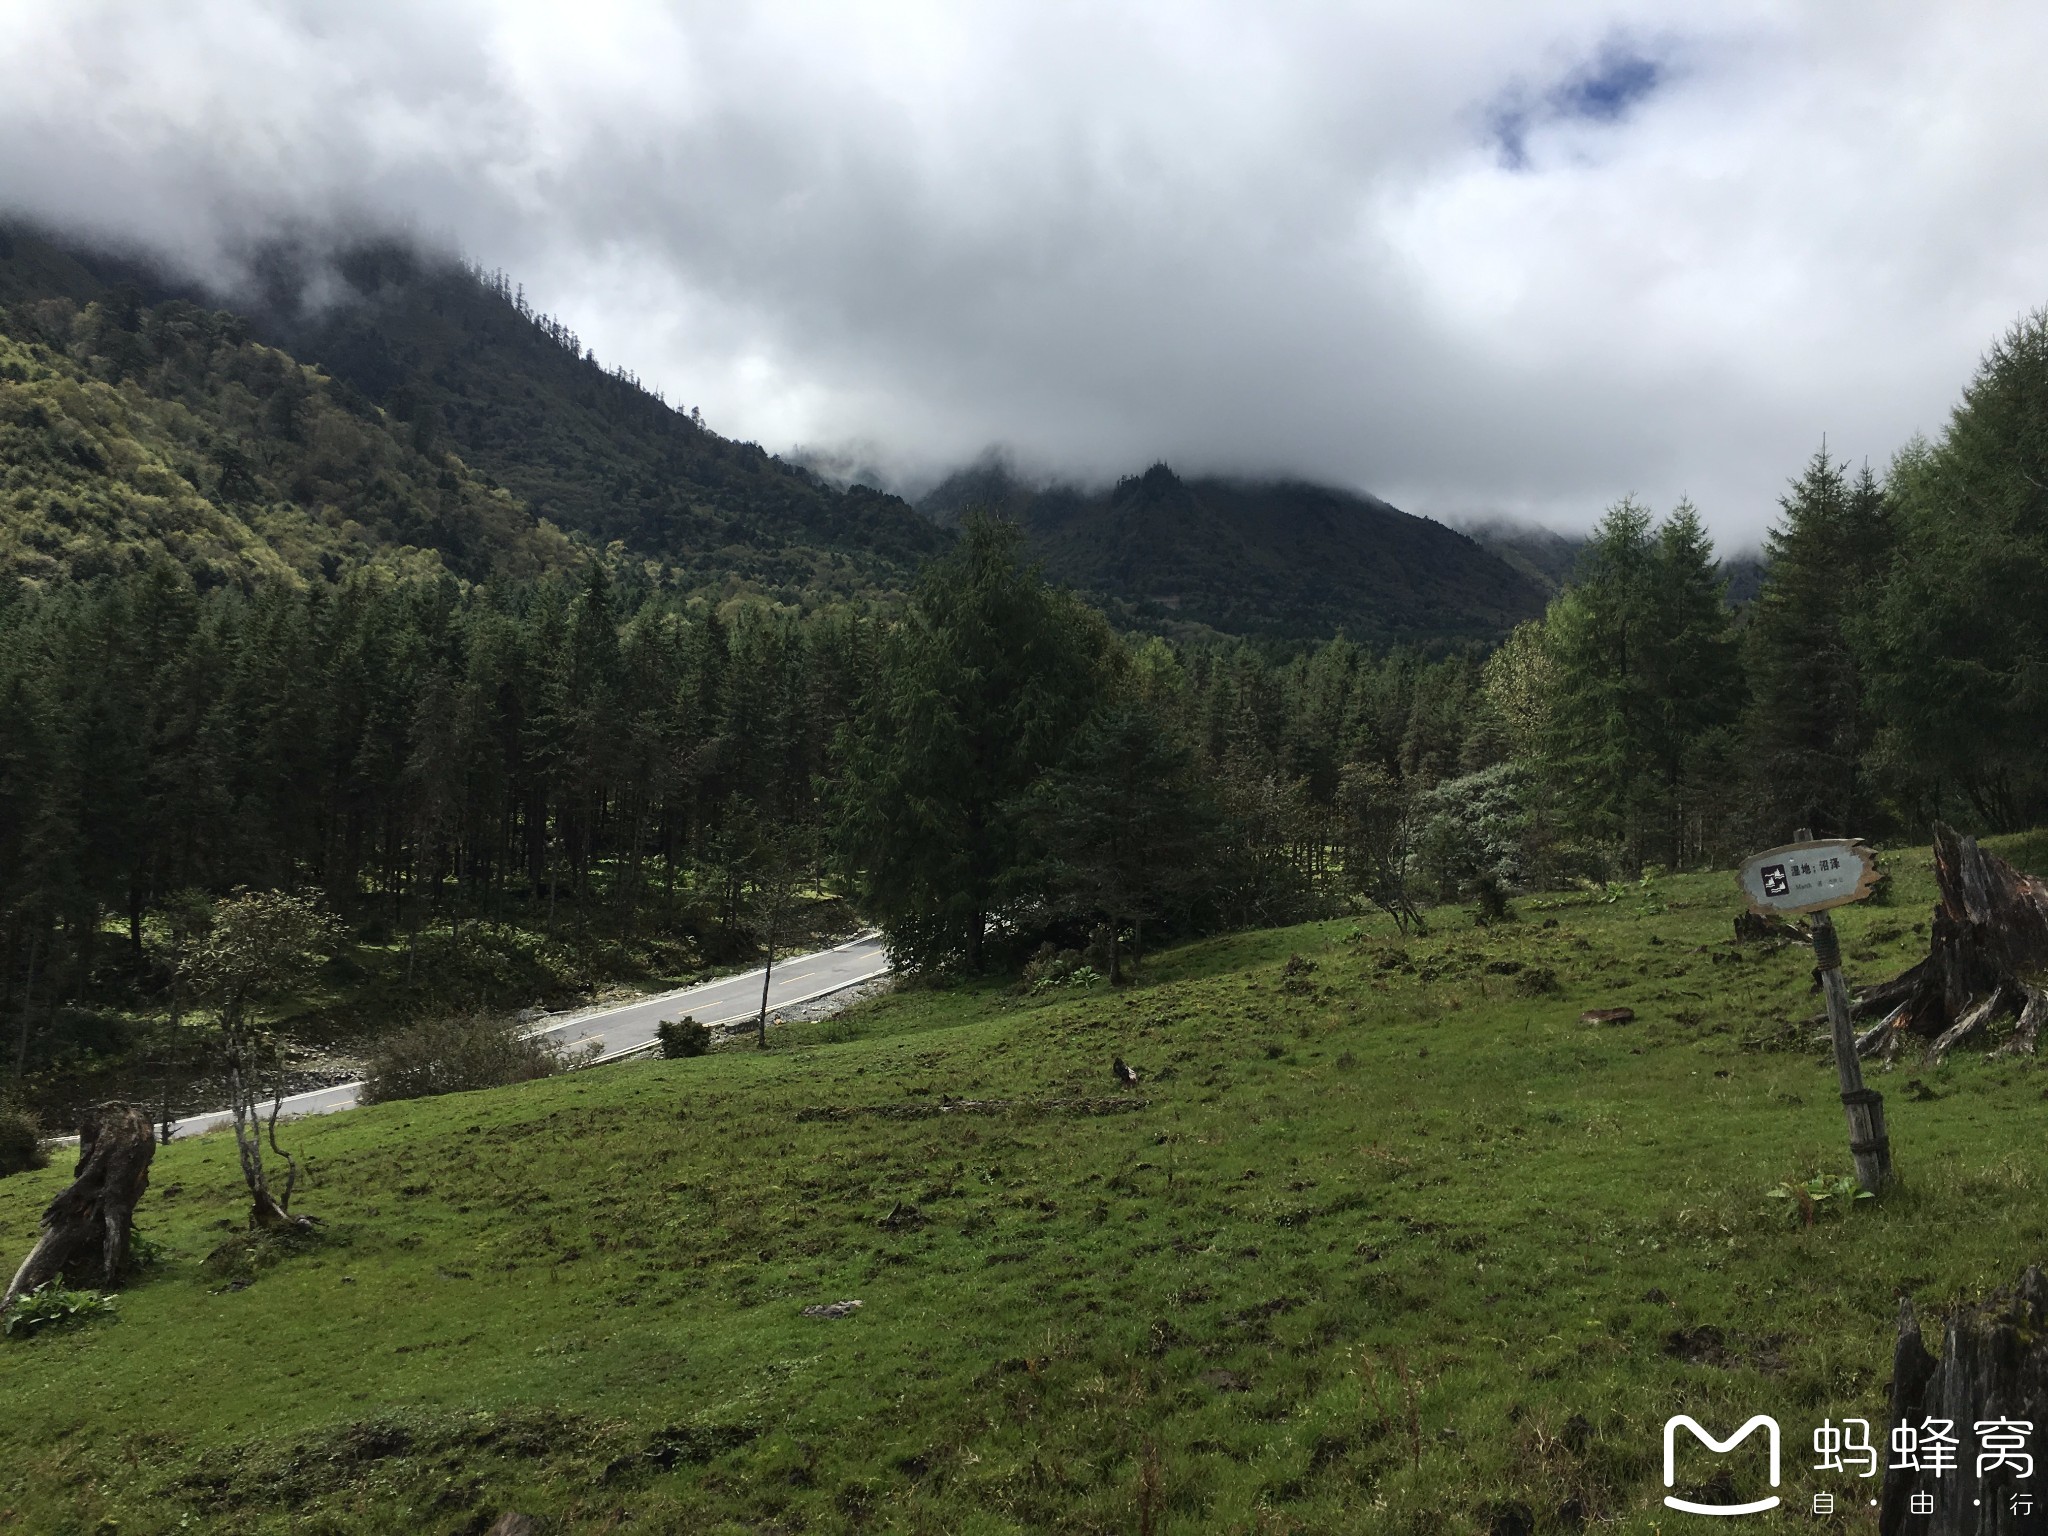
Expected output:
(85, 1230)
(1989, 941)
(1992, 1376)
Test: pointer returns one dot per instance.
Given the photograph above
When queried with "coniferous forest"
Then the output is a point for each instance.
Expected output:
(263, 630)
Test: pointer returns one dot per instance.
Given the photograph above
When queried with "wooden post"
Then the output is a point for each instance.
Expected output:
(761, 1023)
(1862, 1107)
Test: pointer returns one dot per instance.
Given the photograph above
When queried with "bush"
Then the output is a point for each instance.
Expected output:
(21, 1140)
(1490, 901)
(682, 1037)
(457, 1054)
(1052, 967)
(1471, 829)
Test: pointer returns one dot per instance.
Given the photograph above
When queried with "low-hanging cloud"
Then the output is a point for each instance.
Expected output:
(1481, 258)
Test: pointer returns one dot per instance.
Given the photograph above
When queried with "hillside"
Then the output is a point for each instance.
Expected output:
(1548, 556)
(465, 361)
(1393, 1243)
(132, 432)
(1277, 558)
(473, 396)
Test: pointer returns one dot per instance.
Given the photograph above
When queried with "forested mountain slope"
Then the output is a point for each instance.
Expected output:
(471, 395)
(1271, 558)
(467, 364)
(1550, 557)
(131, 432)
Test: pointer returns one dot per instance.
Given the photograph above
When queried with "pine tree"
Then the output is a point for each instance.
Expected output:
(1808, 726)
(981, 689)
(1696, 680)
(1960, 654)
(1121, 822)
(1647, 687)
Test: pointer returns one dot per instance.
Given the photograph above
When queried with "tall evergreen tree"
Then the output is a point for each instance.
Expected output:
(1647, 686)
(1809, 727)
(1960, 667)
(981, 689)
(1121, 821)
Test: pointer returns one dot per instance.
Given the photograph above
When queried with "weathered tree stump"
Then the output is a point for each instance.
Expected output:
(1993, 1366)
(85, 1229)
(1990, 938)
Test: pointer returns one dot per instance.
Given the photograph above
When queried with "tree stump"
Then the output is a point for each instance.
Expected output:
(1993, 1365)
(85, 1229)
(1990, 935)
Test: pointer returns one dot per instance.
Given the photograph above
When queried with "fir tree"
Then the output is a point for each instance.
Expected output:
(980, 692)
(1960, 674)
(1808, 725)
(1121, 822)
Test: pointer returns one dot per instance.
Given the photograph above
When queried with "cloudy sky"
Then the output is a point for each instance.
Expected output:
(1516, 256)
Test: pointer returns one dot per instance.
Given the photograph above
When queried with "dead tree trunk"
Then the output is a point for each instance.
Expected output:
(1990, 938)
(1993, 1368)
(85, 1229)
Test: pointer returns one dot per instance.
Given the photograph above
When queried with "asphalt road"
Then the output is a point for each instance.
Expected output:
(629, 1028)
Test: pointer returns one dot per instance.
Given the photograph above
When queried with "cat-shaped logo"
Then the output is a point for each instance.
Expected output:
(1718, 1447)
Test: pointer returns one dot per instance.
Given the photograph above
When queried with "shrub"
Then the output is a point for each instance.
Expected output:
(52, 1304)
(1490, 901)
(1052, 967)
(21, 1140)
(683, 1037)
(454, 1055)
(1472, 829)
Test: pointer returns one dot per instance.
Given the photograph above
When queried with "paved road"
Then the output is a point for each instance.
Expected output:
(624, 1030)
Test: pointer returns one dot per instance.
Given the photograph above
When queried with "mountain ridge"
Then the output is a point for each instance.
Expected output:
(1280, 558)
(473, 395)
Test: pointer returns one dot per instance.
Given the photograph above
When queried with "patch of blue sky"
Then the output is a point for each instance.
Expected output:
(1602, 91)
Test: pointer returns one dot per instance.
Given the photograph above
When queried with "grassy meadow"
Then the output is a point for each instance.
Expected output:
(1385, 1240)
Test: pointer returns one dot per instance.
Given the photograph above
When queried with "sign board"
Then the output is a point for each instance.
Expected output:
(1809, 877)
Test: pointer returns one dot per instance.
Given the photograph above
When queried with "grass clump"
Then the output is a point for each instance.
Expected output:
(238, 1262)
(457, 1055)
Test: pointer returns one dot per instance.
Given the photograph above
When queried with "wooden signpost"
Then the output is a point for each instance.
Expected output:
(1812, 877)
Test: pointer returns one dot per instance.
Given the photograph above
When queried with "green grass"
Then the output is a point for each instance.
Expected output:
(1393, 1181)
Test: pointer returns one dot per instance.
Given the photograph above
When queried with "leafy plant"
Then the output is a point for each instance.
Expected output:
(144, 1251)
(53, 1304)
(1059, 968)
(1805, 1202)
